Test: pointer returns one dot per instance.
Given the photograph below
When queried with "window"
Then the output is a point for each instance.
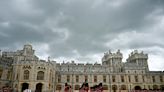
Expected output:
(58, 87)
(8, 74)
(113, 79)
(149, 87)
(155, 87)
(40, 75)
(123, 87)
(114, 88)
(105, 87)
(77, 87)
(68, 78)
(122, 79)
(17, 76)
(143, 78)
(129, 78)
(161, 78)
(136, 78)
(153, 78)
(1, 73)
(26, 75)
(77, 78)
(104, 78)
(86, 78)
(95, 78)
(59, 78)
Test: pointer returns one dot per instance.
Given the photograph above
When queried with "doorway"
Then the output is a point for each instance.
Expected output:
(137, 88)
(24, 86)
(39, 87)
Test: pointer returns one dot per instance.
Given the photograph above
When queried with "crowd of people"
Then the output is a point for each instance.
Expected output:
(6, 89)
(144, 90)
(85, 88)
(97, 88)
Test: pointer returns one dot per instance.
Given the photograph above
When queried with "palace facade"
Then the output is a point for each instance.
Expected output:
(22, 69)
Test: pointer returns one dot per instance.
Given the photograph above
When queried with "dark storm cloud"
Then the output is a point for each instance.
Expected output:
(83, 29)
(26, 33)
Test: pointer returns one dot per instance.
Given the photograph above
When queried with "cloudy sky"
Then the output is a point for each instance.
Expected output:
(82, 30)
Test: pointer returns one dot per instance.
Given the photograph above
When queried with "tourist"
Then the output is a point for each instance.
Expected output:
(27, 90)
(67, 88)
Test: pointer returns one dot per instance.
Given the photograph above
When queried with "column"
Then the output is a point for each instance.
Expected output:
(4, 74)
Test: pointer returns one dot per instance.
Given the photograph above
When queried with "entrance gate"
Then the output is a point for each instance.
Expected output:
(137, 88)
(24, 86)
(39, 87)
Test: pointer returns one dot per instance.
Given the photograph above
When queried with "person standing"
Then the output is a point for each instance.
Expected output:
(84, 87)
(27, 90)
(100, 88)
(67, 88)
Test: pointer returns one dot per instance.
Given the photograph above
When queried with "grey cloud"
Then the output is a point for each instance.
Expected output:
(82, 28)
(24, 33)
(125, 17)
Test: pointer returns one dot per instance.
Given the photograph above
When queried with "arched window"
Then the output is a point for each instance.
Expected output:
(155, 87)
(123, 87)
(40, 75)
(26, 75)
(114, 87)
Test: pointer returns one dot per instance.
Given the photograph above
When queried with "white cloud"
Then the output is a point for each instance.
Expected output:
(156, 62)
(42, 50)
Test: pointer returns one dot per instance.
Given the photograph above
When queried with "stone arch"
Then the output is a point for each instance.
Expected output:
(39, 87)
(77, 87)
(137, 88)
(123, 87)
(24, 86)
(155, 87)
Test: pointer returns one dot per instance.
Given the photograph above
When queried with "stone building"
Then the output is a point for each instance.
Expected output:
(25, 70)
